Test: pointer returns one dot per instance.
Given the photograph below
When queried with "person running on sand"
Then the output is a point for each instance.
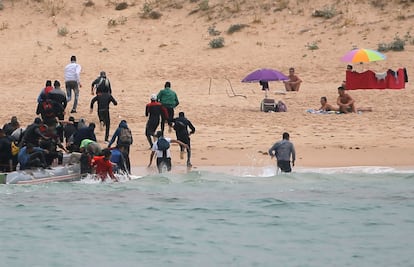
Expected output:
(294, 81)
(181, 125)
(101, 84)
(154, 111)
(163, 156)
(345, 102)
(103, 99)
(325, 106)
(72, 81)
(169, 100)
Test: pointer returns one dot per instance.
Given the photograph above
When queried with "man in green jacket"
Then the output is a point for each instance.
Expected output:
(168, 98)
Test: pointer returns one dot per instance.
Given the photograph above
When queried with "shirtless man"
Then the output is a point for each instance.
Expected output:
(325, 106)
(294, 81)
(345, 102)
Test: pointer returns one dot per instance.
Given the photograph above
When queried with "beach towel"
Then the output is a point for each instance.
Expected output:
(316, 111)
(371, 80)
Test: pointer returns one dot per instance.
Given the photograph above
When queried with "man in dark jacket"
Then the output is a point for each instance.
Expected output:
(123, 136)
(101, 84)
(5, 153)
(104, 99)
(32, 134)
(181, 125)
(84, 133)
(10, 127)
(59, 98)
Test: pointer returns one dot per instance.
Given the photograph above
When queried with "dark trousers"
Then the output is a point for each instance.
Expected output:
(284, 165)
(104, 117)
(169, 120)
(54, 155)
(125, 154)
(5, 166)
(185, 140)
(150, 129)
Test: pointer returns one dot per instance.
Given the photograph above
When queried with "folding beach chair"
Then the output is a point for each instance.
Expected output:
(267, 105)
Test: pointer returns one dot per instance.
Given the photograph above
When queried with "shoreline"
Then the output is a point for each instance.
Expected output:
(270, 170)
(306, 157)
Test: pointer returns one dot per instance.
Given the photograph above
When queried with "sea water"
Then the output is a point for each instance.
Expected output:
(214, 217)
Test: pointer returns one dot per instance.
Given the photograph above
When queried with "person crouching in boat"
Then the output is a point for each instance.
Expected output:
(103, 165)
(30, 157)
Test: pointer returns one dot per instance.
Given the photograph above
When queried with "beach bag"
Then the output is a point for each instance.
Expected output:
(280, 107)
(163, 144)
(125, 136)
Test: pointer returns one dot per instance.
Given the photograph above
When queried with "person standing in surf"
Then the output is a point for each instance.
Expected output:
(103, 165)
(161, 149)
(283, 150)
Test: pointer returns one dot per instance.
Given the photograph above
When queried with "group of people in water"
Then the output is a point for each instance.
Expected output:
(43, 143)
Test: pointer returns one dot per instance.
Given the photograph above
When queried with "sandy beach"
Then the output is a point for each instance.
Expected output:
(139, 55)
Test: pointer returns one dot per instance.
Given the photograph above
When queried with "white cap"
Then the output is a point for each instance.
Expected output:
(153, 97)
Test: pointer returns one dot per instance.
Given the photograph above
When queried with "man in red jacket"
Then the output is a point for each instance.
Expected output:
(103, 165)
(154, 111)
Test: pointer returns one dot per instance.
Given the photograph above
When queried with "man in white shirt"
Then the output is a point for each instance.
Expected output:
(72, 81)
(163, 156)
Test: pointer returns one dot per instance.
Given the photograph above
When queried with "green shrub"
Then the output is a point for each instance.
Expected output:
(146, 9)
(396, 45)
(62, 31)
(204, 5)
(326, 12)
(119, 21)
(4, 26)
(89, 3)
(154, 15)
(217, 42)
(236, 27)
(379, 3)
(212, 31)
(121, 6)
(382, 47)
(312, 46)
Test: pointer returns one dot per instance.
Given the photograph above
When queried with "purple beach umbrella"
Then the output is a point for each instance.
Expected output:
(264, 75)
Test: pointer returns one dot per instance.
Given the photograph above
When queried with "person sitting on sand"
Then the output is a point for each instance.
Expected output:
(325, 106)
(294, 81)
(345, 102)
